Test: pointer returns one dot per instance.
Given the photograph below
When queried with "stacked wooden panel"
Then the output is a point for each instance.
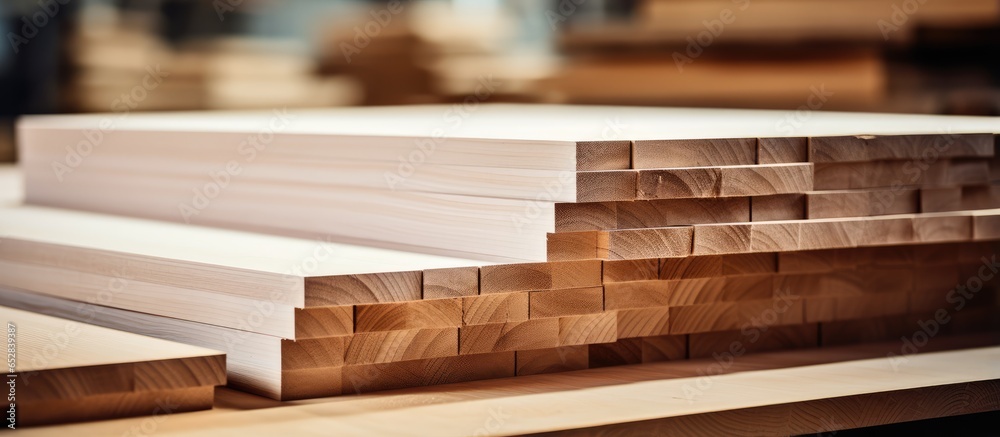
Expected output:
(678, 238)
(61, 371)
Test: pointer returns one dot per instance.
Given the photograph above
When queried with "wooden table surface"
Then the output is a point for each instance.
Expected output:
(775, 393)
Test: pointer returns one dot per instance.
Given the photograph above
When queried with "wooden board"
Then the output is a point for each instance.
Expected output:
(62, 364)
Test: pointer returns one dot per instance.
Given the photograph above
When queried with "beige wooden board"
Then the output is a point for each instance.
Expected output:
(787, 392)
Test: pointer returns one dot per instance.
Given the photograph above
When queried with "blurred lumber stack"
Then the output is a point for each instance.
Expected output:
(772, 53)
(624, 235)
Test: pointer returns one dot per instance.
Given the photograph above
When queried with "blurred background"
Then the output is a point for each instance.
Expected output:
(919, 56)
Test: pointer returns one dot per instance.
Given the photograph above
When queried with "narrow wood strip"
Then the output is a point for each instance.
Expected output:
(510, 336)
(319, 322)
(588, 329)
(495, 308)
(450, 282)
(650, 243)
(565, 302)
(392, 346)
(777, 207)
(606, 186)
(631, 270)
(559, 359)
(400, 316)
(540, 276)
(603, 155)
(576, 217)
(782, 150)
(366, 288)
(693, 153)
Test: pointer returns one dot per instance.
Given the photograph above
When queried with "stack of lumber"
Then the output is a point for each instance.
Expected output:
(642, 235)
(768, 53)
(61, 371)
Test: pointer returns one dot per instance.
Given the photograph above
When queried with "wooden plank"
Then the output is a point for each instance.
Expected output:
(115, 405)
(322, 322)
(981, 197)
(365, 288)
(539, 276)
(746, 237)
(606, 186)
(495, 308)
(664, 348)
(624, 351)
(603, 155)
(570, 246)
(678, 212)
(751, 263)
(392, 346)
(631, 270)
(724, 316)
(565, 302)
(733, 181)
(313, 353)
(941, 199)
(576, 217)
(899, 147)
(691, 267)
(510, 336)
(643, 322)
(450, 282)
(401, 316)
(650, 243)
(693, 153)
(778, 207)
(434, 371)
(862, 202)
(588, 329)
(782, 150)
(941, 227)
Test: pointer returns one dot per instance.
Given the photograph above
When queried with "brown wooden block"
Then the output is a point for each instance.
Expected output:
(986, 224)
(631, 270)
(435, 371)
(968, 172)
(539, 276)
(762, 180)
(318, 352)
(603, 155)
(750, 263)
(778, 207)
(697, 291)
(749, 287)
(862, 202)
(887, 230)
(637, 294)
(650, 243)
(723, 316)
(588, 329)
(495, 308)
(940, 227)
(738, 343)
(887, 279)
(936, 254)
(391, 346)
(311, 383)
(746, 238)
(643, 322)
(605, 186)
(401, 316)
(366, 288)
(691, 267)
(565, 302)
(198, 371)
(664, 348)
(570, 246)
(319, 322)
(981, 197)
(560, 359)
(679, 183)
(693, 153)
(510, 336)
(886, 255)
(940, 199)
(830, 233)
(782, 150)
(872, 305)
(678, 212)
(578, 217)
(451, 282)
(897, 147)
(624, 351)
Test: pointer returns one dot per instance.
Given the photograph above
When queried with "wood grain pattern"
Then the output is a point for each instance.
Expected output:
(677, 212)
(650, 243)
(643, 322)
(319, 322)
(450, 282)
(941, 199)
(863, 202)
(510, 336)
(434, 371)
(570, 246)
(539, 276)
(401, 316)
(577, 217)
(777, 207)
(691, 267)
(365, 288)
(115, 405)
(606, 186)
(898, 147)
(588, 329)
(693, 153)
(603, 155)
(725, 316)
(734, 181)
(782, 150)
(565, 302)
(495, 308)
(631, 270)
(746, 237)
(738, 343)
(392, 346)
(314, 353)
